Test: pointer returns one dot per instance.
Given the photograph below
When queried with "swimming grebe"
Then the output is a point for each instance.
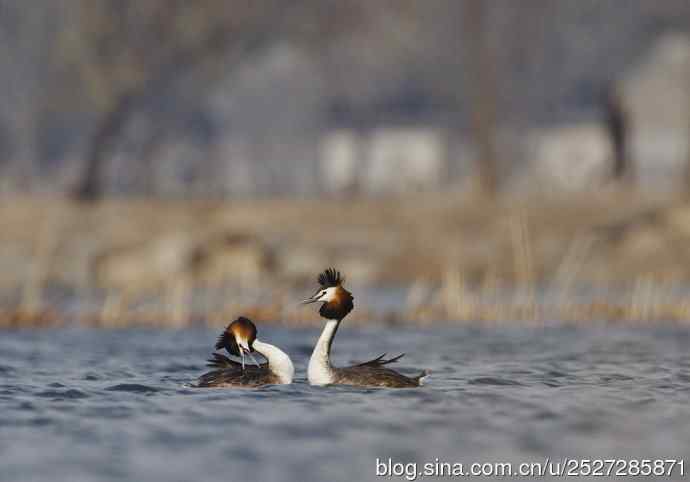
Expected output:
(239, 339)
(337, 303)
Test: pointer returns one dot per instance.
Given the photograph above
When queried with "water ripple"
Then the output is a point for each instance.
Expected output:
(493, 381)
(120, 406)
(62, 394)
(132, 387)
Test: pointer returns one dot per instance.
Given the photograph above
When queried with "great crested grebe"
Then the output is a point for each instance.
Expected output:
(337, 302)
(239, 339)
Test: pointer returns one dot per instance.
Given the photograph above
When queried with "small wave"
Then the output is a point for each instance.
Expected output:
(9, 389)
(493, 381)
(132, 387)
(177, 367)
(683, 377)
(26, 406)
(556, 374)
(39, 422)
(546, 414)
(303, 349)
(72, 394)
(616, 377)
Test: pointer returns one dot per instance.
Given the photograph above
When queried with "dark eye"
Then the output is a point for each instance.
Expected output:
(323, 293)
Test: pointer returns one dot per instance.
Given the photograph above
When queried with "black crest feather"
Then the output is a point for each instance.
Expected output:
(330, 278)
(227, 341)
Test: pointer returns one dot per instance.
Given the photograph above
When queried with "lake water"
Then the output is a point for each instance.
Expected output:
(85, 405)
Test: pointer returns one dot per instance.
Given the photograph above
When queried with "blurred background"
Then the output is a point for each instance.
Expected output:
(169, 162)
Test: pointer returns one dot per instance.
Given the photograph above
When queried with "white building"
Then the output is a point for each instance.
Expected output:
(656, 94)
(341, 161)
(571, 157)
(384, 161)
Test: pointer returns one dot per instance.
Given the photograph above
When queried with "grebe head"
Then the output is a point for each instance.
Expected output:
(337, 301)
(238, 339)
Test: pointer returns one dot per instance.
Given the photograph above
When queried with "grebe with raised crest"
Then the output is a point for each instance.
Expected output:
(336, 303)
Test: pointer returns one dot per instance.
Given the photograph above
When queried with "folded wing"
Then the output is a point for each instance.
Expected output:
(221, 362)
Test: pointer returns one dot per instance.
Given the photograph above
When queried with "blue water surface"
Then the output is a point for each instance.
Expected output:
(86, 404)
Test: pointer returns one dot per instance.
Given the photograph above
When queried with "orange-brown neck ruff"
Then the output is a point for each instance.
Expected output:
(339, 307)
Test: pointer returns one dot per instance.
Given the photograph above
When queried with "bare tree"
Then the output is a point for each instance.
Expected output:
(127, 51)
(480, 67)
(27, 48)
(616, 123)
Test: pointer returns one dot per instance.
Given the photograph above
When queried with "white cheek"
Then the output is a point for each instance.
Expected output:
(330, 295)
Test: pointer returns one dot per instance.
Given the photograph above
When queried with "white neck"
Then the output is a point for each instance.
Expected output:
(320, 371)
(278, 361)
